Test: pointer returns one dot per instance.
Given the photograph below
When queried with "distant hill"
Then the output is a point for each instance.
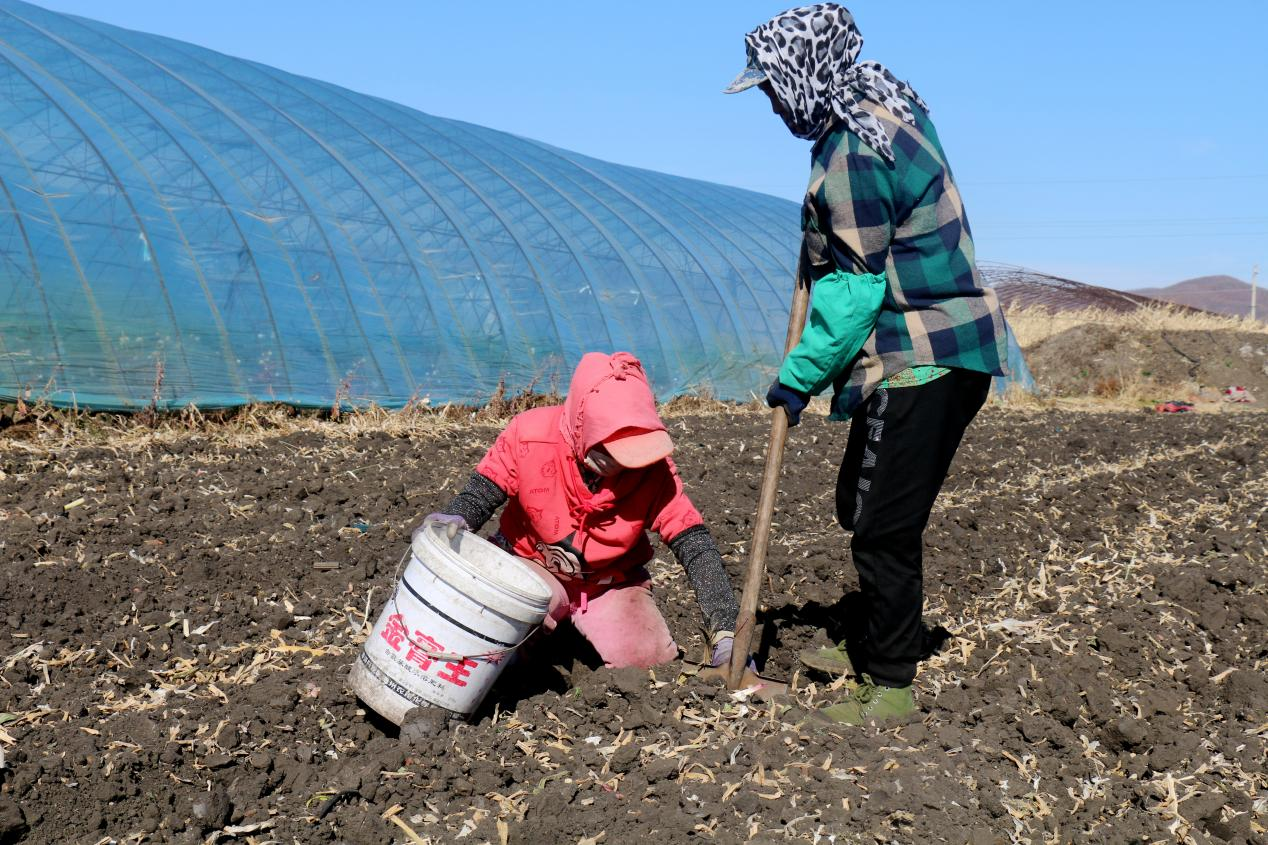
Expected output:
(1222, 294)
(1021, 287)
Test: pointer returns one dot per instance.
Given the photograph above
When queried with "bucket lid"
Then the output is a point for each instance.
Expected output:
(474, 566)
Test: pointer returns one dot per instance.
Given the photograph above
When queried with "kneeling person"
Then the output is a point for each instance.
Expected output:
(583, 482)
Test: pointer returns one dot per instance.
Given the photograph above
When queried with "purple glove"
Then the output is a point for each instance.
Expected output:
(722, 652)
(452, 522)
(721, 656)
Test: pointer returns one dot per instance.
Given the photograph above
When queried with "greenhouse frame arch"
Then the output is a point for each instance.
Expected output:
(178, 226)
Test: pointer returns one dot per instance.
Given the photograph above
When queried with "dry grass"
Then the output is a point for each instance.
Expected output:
(707, 406)
(1034, 324)
(39, 427)
(46, 429)
(42, 426)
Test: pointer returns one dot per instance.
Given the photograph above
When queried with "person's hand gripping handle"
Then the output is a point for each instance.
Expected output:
(452, 524)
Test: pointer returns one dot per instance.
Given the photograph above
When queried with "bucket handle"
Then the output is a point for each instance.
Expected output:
(494, 655)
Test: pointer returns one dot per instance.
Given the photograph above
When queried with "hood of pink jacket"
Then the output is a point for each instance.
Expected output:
(608, 393)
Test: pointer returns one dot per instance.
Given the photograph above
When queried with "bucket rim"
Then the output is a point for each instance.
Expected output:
(435, 549)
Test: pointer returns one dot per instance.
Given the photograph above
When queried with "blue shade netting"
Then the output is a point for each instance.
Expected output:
(182, 225)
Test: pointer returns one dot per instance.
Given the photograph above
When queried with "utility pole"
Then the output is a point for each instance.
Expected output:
(1254, 288)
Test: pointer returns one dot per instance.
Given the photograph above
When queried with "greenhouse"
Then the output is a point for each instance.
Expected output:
(178, 226)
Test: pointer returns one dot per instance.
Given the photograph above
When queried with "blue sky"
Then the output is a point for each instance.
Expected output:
(1117, 142)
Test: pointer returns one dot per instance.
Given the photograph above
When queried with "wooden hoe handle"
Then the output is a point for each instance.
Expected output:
(747, 617)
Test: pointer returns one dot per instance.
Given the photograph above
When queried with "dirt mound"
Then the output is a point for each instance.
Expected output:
(177, 622)
(1104, 360)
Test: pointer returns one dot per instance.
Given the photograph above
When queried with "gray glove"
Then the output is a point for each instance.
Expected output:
(453, 524)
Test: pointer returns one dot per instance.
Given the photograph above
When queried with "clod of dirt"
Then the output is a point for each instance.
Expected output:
(629, 682)
(213, 808)
(1246, 691)
(12, 822)
(1125, 733)
(624, 758)
(982, 836)
(659, 769)
(421, 724)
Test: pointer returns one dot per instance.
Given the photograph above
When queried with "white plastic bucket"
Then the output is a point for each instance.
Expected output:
(458, 611)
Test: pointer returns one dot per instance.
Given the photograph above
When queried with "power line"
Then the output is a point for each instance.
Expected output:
(1197, 291)
(1120, 237)
(1083, 181)
(1151, 221)
(1119, 181)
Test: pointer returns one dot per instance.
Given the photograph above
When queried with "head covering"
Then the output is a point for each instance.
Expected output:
(808, 56)
(610, 401)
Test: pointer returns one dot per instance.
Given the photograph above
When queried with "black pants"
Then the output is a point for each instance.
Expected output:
(901, 444)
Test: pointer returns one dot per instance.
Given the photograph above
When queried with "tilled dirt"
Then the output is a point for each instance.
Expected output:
(178, 616)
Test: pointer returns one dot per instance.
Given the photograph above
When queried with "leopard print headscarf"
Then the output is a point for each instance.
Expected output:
(808, 55)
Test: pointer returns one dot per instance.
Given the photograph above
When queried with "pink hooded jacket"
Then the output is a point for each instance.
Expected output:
(551, 515)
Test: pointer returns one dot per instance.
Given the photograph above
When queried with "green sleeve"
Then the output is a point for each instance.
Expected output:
(843, 312)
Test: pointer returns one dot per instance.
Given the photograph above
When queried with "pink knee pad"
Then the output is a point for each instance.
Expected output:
(625, 627)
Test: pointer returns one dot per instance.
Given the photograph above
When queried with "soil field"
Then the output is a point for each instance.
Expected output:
(178, 616)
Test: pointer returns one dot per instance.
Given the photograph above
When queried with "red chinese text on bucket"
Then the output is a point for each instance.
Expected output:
(395, 634)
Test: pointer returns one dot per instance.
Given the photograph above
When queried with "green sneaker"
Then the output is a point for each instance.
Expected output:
(868, 704)
(833, 660)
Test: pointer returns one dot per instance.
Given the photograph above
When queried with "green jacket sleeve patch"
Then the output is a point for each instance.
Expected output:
(843, 311)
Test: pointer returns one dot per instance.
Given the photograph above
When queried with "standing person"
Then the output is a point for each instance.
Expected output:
(899, 324)
(582, 483)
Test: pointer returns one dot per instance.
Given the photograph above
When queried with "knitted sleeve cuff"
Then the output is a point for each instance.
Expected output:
(477, 502)
(699, 556)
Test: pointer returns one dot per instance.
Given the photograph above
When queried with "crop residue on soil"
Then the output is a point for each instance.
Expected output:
(177, 622)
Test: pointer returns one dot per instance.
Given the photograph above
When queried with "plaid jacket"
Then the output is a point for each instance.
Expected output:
(862, 215)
